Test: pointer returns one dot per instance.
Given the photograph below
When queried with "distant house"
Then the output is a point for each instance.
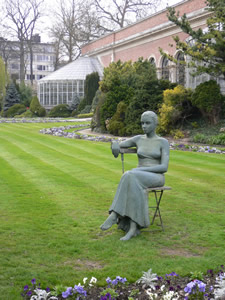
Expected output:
(63, 85)
(143, 39)
(43, 59)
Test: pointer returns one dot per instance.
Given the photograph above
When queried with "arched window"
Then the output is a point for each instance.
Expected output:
(152, 61)
(165, 68)
(180, 69)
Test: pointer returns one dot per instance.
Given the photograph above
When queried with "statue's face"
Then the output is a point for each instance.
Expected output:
(148, 124)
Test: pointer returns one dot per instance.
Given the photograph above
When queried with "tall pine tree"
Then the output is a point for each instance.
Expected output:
(205, 47)
(12, 97)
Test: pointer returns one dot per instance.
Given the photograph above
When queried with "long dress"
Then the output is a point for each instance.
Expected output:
(131, 198)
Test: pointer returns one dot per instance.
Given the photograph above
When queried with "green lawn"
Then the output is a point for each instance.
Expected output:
(55, 193)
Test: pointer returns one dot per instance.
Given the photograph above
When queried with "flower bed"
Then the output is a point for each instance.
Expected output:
(61, 132)
(148, 287)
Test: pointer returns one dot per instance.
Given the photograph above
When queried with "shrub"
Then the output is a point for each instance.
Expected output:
(26, 114)
(16, 109)
(42, 112)
(200, 138)
(116, 124)
(218, 139)
(96, 120)
(96, 100)
(61, 110)
(86, 110)
(208, 98)
(26, 93)
(177, 134)
(176, 107)
(85, 115)
(36, 108)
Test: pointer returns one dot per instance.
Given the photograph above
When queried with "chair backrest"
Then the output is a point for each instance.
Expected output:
(126, 150)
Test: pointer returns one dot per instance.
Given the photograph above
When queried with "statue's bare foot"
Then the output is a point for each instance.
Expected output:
(133, 231)
(110, 221)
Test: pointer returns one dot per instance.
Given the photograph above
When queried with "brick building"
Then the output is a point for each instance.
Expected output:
(143, 39)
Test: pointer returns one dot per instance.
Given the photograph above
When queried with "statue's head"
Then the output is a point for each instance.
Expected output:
(150, 115)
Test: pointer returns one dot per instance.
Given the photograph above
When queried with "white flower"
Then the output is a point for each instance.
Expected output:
(85, 279)
(93, 280)
(170, 296)
(162, 287)
(151, 295)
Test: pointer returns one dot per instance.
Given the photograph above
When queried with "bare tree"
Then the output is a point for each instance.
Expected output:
(77, 23)
(116, 14)
(21, 18)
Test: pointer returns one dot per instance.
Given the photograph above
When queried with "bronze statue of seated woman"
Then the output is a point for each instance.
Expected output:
(129, 208)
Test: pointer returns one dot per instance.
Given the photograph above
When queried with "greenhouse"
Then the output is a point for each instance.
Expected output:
(63, 85)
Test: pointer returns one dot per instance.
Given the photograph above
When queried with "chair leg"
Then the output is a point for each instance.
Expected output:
(157, 210)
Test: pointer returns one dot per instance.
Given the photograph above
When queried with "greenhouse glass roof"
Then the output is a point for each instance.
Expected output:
(77, 69)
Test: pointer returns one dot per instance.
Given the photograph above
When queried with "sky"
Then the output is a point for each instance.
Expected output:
(50, 5)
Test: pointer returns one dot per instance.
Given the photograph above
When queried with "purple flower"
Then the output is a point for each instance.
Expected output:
(171, 288)
(222, 266)
(80, 290)
(114, 282)
(68, 292)
(120, 279)
(106, 297)
(26, 287)
(189, 287)
(47, 289)
(159, 278)
(201, 286)
(173, 274)
(157, 287)
(29, 293)
(108, 280)
(33, 281)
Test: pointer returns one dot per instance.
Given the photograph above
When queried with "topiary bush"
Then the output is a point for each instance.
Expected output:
(16, 109)
(36, 108)
(61, 110)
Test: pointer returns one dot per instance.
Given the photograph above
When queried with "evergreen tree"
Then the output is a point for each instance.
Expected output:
(12, 97)
(90, 87)
(205, 47)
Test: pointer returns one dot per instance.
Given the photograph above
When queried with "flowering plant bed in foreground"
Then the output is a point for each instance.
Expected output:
(149, 286)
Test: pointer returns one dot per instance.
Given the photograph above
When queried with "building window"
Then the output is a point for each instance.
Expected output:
(152, 61)
(14, 66)
(165, 68)
(40, 76)
(29, 77)
(42, 68)
(180, 69)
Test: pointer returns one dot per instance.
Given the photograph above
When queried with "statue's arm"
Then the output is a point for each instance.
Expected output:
(115, 146)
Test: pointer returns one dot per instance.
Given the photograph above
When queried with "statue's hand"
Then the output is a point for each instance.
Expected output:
(115, 147)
